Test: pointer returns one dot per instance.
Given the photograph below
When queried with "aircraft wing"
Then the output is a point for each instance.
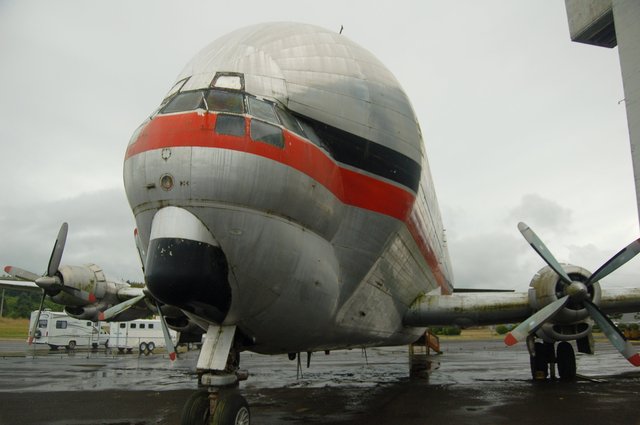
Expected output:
(468, 309)
(620, 300)
(488, 308)
(19, 284)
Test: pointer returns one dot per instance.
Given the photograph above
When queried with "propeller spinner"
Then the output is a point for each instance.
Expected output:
(576, 292)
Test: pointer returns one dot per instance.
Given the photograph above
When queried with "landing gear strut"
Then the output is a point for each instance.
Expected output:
(544, 357)
(218, 402)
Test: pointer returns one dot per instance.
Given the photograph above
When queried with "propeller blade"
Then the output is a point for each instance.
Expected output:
(171, 349)
(616, 261)
(32, 333)
(79, 293)
(535, 321)
(613, 334)
(139, 246)
(58, 248)
(119, 308)
(543, 252)
(21, 274)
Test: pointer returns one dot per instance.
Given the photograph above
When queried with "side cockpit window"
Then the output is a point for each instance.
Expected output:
(262, 131)
(263, 110)
(187, 101)
(312, 135)
(175, 89)
(289, 122)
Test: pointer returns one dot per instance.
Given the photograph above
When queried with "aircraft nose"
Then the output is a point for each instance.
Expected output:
(185, 266)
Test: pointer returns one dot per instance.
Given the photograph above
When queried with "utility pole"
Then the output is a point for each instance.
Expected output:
(2, 303)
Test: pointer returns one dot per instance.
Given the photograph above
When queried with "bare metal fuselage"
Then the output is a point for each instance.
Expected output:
(319, 254)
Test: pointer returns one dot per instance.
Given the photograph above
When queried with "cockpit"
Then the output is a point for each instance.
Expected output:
(243, 115)
(232, 106)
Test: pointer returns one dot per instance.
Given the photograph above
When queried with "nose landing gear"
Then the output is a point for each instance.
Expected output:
(218, 402)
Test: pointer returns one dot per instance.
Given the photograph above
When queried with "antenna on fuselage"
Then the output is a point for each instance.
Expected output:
(341, 28)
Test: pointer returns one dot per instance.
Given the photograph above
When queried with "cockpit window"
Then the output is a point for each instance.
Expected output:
(311, 134)
(187, 101)
(289, 122)
(224, 101)
(228, 80)
(263, 110)
(231, 125)
(267, 133)
(175, 89)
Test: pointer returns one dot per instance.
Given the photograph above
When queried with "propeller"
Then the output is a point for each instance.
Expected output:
(171, 349)
(119, 308)
(577, 292)
(21, 274)
(50, 282)
(139, 247)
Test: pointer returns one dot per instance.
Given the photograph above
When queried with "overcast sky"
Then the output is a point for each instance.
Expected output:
(519, 122)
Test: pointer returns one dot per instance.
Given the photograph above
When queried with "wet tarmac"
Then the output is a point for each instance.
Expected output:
(473, 382)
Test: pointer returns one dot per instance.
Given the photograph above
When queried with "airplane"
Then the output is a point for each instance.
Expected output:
(284, 204)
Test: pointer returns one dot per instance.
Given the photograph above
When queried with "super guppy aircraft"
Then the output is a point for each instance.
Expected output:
(284, 204)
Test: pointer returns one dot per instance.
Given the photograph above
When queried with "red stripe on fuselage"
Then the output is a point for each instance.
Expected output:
(352, 188)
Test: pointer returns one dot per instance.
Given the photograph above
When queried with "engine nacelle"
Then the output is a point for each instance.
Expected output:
(572, 322)
(89, 312)
(83, 285)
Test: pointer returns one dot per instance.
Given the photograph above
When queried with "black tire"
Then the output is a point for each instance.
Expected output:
(231, 409)
(540, 363)
(566, 361)
(151, 346)
(142, 347)
(196, 409)
(72, 345)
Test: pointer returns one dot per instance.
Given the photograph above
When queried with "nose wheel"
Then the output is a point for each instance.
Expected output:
(216, 408)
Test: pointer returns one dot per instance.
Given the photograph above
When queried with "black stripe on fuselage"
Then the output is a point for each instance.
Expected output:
(366, 155)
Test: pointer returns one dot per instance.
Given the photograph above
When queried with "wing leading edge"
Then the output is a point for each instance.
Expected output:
(468, 309)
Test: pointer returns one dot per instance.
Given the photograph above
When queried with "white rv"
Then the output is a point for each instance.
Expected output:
(57, 329)
(143, 334)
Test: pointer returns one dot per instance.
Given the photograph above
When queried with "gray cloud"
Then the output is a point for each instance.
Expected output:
(100, 231)
(542, 214)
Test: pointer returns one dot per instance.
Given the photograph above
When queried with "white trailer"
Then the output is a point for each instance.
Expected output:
(57, 329)
(143, 334)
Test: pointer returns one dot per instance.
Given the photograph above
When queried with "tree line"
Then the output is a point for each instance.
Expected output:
(20, 304)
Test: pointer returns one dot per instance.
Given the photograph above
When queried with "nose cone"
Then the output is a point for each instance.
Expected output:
(185, 266)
